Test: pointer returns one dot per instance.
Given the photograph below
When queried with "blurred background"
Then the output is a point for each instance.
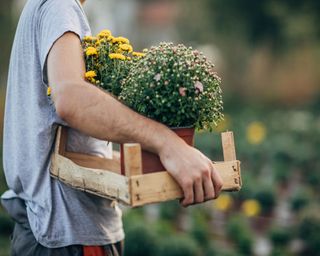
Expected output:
(268, 55)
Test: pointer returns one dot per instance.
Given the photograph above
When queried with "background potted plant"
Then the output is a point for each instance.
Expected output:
(177, 86)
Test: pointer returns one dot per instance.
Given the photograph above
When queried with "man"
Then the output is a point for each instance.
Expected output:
(52, 218)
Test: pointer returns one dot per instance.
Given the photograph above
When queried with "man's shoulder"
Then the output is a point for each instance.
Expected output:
(59, 4)
(61, 12)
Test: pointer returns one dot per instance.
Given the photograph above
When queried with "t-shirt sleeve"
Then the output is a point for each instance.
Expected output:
(56, 18)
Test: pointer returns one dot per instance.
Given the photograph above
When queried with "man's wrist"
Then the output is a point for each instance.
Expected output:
(165, 139)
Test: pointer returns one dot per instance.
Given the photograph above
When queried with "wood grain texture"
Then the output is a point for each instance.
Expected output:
(104, 183)
(94, 162)
(160, 186)
(132, 159)
(228, 147)
(100, 182)
(63, 139)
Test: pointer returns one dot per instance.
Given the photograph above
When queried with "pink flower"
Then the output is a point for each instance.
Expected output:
(157, 77)
(182, 91)
(198, 86)
(174, 49)
(215, 76)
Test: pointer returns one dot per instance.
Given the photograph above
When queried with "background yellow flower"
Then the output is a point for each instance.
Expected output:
(256, 132)
(251, 207)
(223, 202)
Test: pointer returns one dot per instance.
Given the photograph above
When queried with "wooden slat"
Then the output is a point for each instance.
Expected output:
(160, 186)
(132, 159)
(63, 140)
(100, 182)
(228, 147)
(57, 140)
(153, 188)
(85, 160)
(94, 162)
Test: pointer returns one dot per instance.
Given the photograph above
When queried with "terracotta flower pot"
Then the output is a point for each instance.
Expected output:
(150, 161)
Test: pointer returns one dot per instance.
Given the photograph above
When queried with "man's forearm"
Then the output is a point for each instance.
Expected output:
(100, 115)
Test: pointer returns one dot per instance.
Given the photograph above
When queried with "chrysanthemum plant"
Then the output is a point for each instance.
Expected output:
(108, 60)
(176, 86)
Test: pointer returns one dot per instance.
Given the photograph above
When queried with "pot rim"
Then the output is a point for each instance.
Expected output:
(183, 127)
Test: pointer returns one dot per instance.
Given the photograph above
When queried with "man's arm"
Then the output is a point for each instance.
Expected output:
(96, 113)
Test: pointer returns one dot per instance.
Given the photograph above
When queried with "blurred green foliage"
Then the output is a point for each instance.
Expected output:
(309, 231)
(140, 240)
(266, 21)
(280, 237)
(267, 52)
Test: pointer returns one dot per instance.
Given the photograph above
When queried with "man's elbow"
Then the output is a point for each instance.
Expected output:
(62, 97)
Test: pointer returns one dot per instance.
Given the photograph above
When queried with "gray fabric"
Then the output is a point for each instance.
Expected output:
(24, 243)
(58, 215)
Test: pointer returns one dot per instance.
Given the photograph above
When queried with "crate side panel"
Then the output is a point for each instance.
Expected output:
(101, 182)
(160, 186)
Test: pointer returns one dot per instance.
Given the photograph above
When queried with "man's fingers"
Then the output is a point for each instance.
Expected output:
(217, 182)
(187, 187)
(201, 188)
(208, 188)
(198, 190)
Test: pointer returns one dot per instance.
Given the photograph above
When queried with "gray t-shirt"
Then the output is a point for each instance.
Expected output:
(58, 215)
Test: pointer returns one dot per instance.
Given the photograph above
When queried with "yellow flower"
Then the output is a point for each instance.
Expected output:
(89, 38)
(126, 47)
(91, 51)
(251, 207)
(104, 33)
(121, 40)
(117, 56)
(256, 133)
(138, 54)
(128, 58)
(224, 124)
(110, 38)
(223, 202)
(90, 74)
(49, 91)
(102, 41)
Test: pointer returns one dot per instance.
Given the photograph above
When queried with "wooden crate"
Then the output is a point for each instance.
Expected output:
(102, 177)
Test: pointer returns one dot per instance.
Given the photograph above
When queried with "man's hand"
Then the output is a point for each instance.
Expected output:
(193, 171)
(98, 114)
